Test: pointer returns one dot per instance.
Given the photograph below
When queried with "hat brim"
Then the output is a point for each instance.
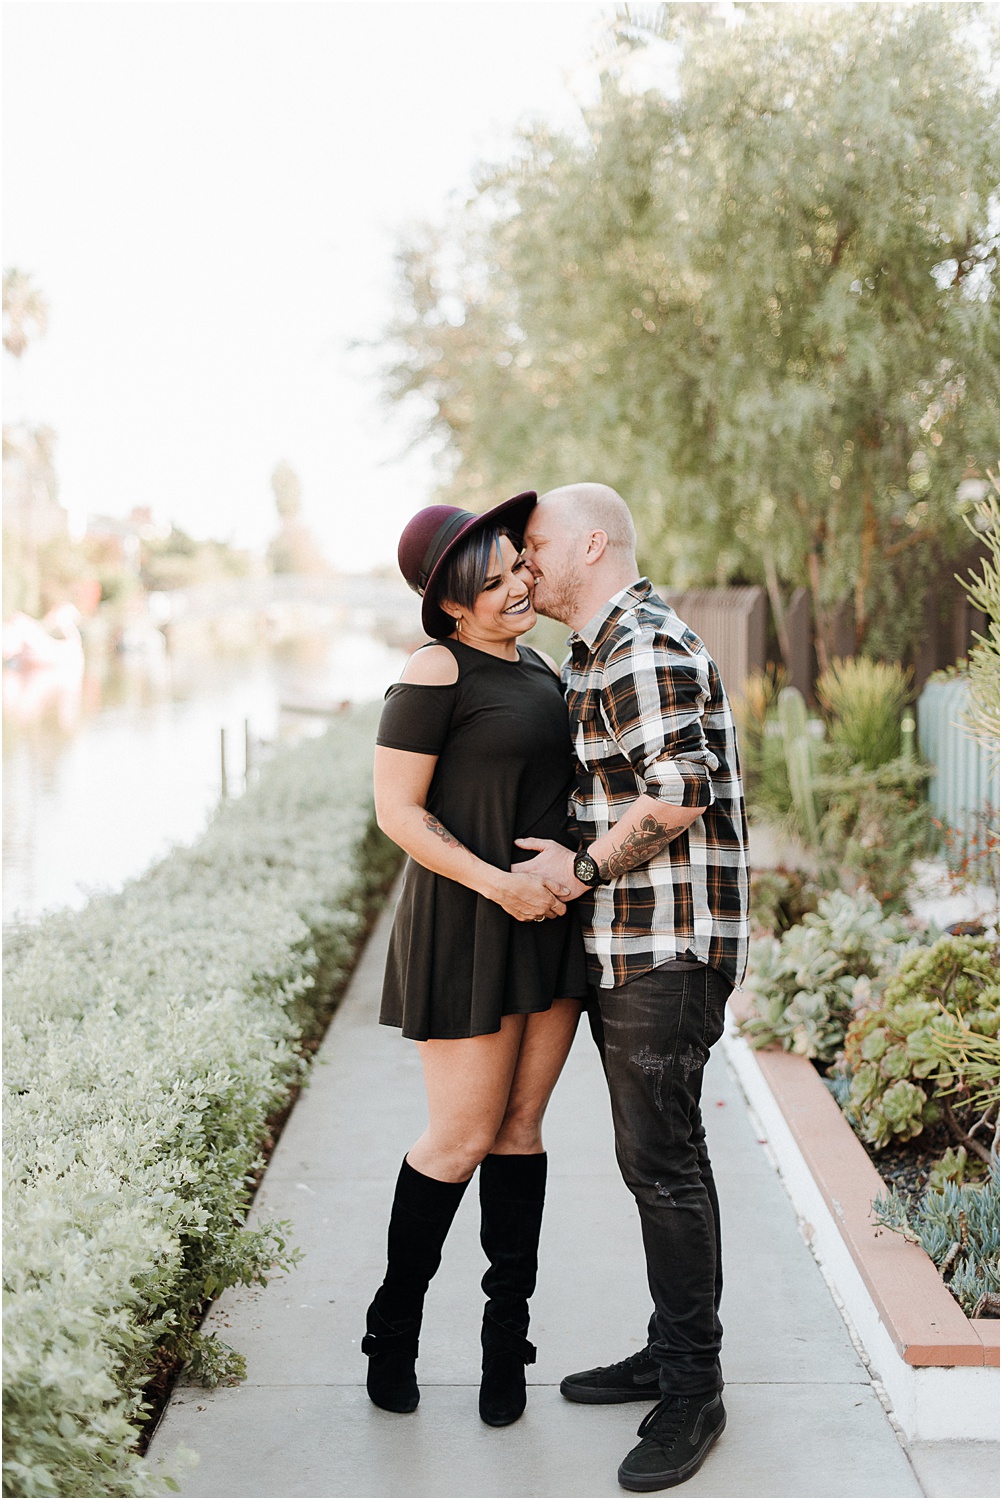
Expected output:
(512, 514)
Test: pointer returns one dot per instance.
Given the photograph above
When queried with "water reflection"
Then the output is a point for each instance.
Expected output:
(103, 773)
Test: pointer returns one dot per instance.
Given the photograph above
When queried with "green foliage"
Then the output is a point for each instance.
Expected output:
(805, 984)
(147, 1040)
(982, 716)
(866, 820)
(875, 825)
(876, 821)
(763, 759)
(953, 1166)
(863, 702)
(958, 1228)
(759, 297)
(931, 1045)
(778, 899)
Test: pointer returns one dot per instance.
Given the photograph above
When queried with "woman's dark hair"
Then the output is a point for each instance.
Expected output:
(464, 574)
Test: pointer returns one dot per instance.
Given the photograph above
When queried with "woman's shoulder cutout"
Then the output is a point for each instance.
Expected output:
(431, 666)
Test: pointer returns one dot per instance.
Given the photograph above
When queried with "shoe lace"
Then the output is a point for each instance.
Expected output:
(632, 1361)
(665, 1422)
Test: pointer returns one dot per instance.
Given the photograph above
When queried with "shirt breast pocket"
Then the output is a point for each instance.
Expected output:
(593, 743)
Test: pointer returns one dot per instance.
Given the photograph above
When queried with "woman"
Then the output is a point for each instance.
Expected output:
(485, 970)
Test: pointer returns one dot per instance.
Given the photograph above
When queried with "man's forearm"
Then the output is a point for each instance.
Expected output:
(641, 834)
(645, 829)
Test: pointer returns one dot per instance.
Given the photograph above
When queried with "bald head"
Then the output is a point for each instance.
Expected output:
(580, 546)
(593, 507)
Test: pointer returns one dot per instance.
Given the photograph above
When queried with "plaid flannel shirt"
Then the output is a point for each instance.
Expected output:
(649, 715)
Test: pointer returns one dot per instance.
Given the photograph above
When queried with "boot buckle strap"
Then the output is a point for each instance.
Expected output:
(498, 1338)
(389, 1343)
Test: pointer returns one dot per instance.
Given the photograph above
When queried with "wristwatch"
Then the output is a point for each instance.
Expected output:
(586, 870)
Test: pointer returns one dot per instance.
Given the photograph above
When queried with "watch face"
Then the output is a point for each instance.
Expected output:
(586, 869)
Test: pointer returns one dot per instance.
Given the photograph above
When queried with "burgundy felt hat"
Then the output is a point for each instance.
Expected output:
(434, 533)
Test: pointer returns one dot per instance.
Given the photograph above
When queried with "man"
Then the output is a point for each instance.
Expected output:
(662, 881)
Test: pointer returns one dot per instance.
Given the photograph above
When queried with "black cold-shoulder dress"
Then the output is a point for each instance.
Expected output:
(457, 962)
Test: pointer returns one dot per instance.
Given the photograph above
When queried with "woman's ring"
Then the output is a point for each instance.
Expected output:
(539, 919)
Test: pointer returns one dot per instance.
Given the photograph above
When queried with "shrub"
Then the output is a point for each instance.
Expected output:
(148, 1039)
(853, 798)
(930, 1047)
(875, 825)
(804, 984)
(863, 702)
(957, 1226)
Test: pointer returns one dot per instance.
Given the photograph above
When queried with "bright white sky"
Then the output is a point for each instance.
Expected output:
(209, 195)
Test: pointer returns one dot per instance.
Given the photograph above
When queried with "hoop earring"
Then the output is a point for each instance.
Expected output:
(459, 625)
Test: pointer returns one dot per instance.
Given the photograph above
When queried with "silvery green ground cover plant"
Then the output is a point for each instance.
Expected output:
(147, 1040)
(957, 1225)
(803, 985)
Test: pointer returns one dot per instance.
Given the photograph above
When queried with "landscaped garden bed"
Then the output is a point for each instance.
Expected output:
(867, 1040)
(939, 1367)
(152, 1043)
(903, 1026)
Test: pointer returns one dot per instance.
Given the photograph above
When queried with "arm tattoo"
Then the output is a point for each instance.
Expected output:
(434, 826)
(637, 848)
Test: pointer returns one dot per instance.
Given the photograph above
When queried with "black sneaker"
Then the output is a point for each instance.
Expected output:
(632, 1379)
(675, 1438)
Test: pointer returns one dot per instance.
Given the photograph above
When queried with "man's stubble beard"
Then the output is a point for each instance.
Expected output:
(557, 598)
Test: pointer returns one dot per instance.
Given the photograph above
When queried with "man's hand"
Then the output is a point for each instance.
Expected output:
(555, 865)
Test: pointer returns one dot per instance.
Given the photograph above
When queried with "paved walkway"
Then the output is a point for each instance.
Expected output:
(804, 1419)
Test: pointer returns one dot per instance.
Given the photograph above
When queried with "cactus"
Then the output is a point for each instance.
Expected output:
(799, 749)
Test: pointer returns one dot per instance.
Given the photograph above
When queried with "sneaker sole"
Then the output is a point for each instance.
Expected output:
(590, 1395)
(669, 1478)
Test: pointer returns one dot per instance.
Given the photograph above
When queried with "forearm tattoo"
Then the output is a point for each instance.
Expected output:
(637, 848)
(435, 827)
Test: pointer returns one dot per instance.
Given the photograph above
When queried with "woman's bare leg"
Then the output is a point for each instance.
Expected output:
(467, 1081)
(546, 1041)
(489, 1093)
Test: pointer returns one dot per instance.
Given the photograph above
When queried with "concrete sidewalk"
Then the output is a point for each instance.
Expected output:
(803, 1416)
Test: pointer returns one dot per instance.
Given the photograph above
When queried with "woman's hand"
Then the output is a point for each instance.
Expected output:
(526, 898)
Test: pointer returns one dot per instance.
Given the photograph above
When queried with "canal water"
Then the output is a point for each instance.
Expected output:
(102, 776)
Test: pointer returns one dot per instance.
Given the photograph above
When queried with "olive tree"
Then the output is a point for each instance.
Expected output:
(757, 294)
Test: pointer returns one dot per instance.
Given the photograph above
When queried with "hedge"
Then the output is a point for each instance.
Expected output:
(149, 1038)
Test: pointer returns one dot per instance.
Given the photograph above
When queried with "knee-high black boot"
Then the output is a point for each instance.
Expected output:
(423, 1209)
(512, 1189)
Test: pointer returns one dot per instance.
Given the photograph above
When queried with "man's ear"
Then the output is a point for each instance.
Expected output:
(595, 549)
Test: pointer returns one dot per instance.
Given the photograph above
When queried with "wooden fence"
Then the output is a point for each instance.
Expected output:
(731, 623)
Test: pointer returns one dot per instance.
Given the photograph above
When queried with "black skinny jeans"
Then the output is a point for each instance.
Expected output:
(654, 1034)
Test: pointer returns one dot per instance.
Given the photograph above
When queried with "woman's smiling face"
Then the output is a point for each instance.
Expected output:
(503, 608)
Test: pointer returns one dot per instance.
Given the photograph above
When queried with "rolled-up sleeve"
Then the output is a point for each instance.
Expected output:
(654, 696)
